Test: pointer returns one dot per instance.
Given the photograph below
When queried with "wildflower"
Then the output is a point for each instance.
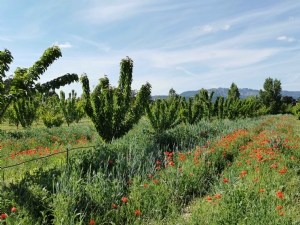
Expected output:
(261, 190)
(218, 196)
(13, 209)
(114, 206)
(191, 174)
(137, 212)
(281, 213)
(182, 157)
(155, 181)
(171, 163)
(283, 170)
(225, 180)
(3, 216)
(243, 173)
(124, 199)
(280, 194)
(146, 185)
(279, 207)
(92, 222)
(209, 198)
(274, 166)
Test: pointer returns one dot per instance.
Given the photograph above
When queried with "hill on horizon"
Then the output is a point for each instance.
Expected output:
(244, 92)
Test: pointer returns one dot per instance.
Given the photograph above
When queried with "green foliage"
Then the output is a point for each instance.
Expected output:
(70, 108)
(190, 110)
(296, 110)
(165, 114)
(51, 113)
(271, 95)
(26, 109)
(233, 92)
(250, 107)
(206, 103)
(23, 82)
(114, 110)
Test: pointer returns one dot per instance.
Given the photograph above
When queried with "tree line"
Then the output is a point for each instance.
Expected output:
(115, 110)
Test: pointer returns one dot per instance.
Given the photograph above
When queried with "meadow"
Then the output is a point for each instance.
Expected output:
(243, 171)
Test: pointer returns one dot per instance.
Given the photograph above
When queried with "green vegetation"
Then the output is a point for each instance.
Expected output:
(168, 161)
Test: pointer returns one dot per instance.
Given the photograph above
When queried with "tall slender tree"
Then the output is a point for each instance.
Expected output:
(114, 110)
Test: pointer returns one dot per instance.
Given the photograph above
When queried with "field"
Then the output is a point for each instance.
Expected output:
(245, 171)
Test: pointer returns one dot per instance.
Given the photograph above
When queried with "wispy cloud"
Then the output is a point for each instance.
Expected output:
(100, 46)
(63, 45)
(113, 11)
(206, 29)
(286, 38)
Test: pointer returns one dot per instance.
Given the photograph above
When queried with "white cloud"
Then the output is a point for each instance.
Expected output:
(63, 45)
(98, 45)
(226, 27)
(103, 13)
(207, 29)
(286, 38)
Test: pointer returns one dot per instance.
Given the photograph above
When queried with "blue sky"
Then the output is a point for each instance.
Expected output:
(185, 45)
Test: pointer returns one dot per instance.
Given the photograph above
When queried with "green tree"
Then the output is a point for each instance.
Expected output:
(250, 107)
(23, 83)
(114, 110)
(190, 110)
(233, 92)
(219, 107)
(271, 95)
(25, 110)
(207, 106)
(164, 114)
(50, 111)
(70, 108)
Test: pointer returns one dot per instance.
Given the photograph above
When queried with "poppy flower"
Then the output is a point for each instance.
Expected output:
(114, 206)
(92, 222)
(137, 212)
(279, 207)
(209, 198)
(261, 190)
(280, 194)
(218, 196)
(13, 209)
(225, 180)
(243, 173)
(124, 199)
(3, 216)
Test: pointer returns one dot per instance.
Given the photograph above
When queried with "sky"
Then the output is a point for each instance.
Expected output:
(184, 45)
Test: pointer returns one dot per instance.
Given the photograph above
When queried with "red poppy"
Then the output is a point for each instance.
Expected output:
(92, 222)
(114, 206)
(279, 207)
(280, 194)
(13, 209)
(124, 199)
(3, 216)
(283, 170)
(243, 173)
(171, 163)
(225, 180)
(137, 212)
(155, 181)
(209, 198)
(261, 190)
(218, 196)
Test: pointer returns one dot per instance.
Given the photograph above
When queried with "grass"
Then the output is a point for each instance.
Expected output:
(208, 173)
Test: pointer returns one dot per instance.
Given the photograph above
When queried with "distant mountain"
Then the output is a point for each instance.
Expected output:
(245, 92)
